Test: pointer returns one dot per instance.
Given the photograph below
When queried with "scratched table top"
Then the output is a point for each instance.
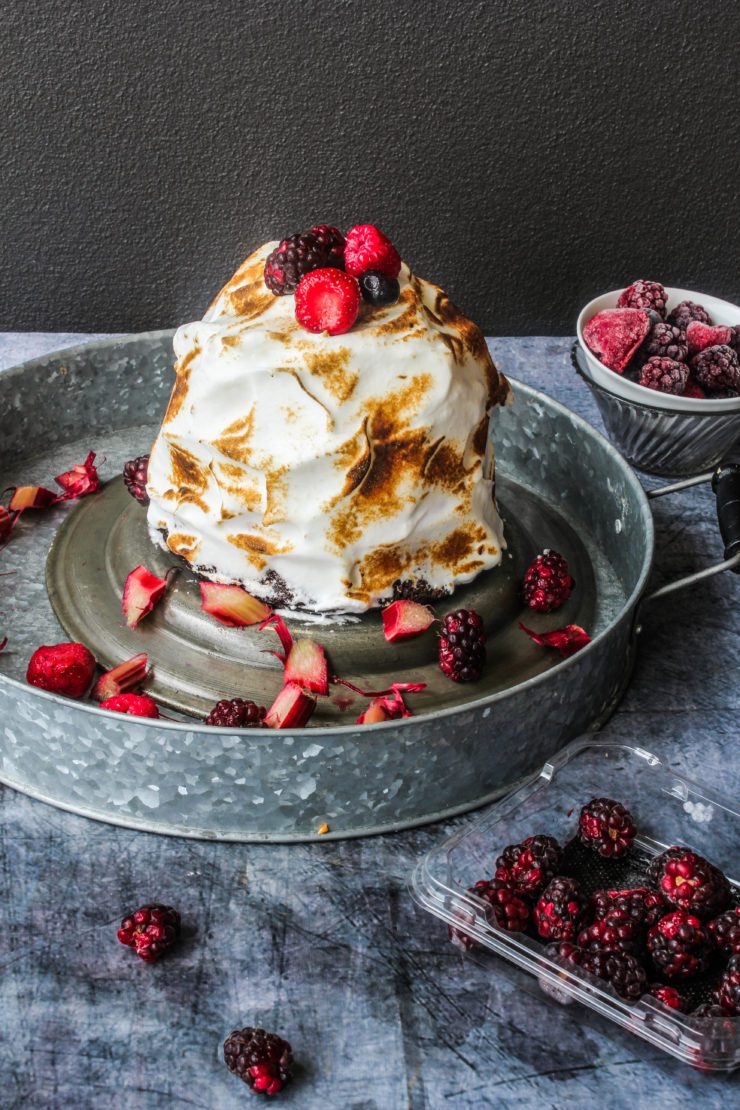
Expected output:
(322, 942)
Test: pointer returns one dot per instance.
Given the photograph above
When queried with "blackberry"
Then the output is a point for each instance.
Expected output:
(262, 1060)
(669, 996)
(559, 910)
(565, 951)
(725, 932)
(547, 584)
(151, 930)
(135, 475)
(529, 866)
(682, 315)
(679, 945)
(664, 375)
(331, 241)
(236, 713)
(504, 908)
(607, 827)
(462, 646)
(734, 340)
(689, 882)
(666, 341)
(379, 289)
(717, 368)
(642, 907)
(727, 994)
(625, 973)
(292, 258)
(644, 294)
(615, 930)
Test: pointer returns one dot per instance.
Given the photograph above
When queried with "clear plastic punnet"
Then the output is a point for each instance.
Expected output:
(668, 809)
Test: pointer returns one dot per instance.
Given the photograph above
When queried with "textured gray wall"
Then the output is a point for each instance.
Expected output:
(526, 155)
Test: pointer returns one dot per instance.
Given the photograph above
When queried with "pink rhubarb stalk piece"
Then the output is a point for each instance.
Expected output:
(232, 605)
(567, 640)
(7, 520)
(142, 591)
(80, 480)
(3, 643)
(614, 334)
(127, 676)
(31, 497)
(306, 665)
(278, 625)
(292, 708)
(404, 619)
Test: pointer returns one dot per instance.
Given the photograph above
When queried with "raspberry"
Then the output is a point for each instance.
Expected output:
(135, 475)
(644, 294)
(327, 300)
(717, 368)
(152, 930)
(679, 945)
(624, 972)
(615, 930)
(65, 669)
(690, 882)
(607, 827)
(727, 994)
(369, 249)
(236, 713)
(559, 910)
(682, 315)
(529, 866)
(331, 241)
(643, 907)
(669, 996)
(292, 258)
(666, 341)
(664, 375)
(725, 932)
(615, 334)
(547, 584)
(136, 705)
(462, 646)
(262, 1060)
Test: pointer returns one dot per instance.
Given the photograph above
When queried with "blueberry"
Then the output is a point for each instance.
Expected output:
(378, 289)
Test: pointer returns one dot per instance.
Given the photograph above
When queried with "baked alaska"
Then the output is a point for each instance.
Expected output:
(325, 450)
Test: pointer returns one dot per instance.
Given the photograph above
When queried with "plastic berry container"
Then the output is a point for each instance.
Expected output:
(668, 809)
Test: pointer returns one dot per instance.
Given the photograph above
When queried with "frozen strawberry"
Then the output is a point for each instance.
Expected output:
(136, 705)
(65, 669)
(292, 708)
(367, 248)
(327, 301)
(306, 666)
(232, 605)
(693, 389)
(141, 592)
(80, 480)
(699, 335)
(614, 334)
(31, 497)
(404, 619)
(567, 640)
(127, 676)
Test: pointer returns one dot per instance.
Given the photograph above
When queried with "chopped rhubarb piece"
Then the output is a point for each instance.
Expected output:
(142, 591)
(278, 625)
(127, 676)
(306, 665)
(80, 480)
(614, 335)
(404, 619)
(567, 640)
(291, 708)
(700, 336)
(3, 643)
(31, 497)
(374, 713)
(7, 520)
(232, 605)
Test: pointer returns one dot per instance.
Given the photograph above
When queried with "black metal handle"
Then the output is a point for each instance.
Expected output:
(726, 485)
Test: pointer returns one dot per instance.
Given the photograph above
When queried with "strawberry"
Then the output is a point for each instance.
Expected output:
(699, 335)
(367, 248)
(65, 669)
(404, 619)
(614, 334)
(232, 605)
(136, 705)
(327, 300)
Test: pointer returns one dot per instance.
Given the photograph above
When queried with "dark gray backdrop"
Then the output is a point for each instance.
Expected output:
(526, 155)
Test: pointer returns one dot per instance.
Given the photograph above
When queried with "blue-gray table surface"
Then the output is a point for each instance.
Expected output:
(322, 942)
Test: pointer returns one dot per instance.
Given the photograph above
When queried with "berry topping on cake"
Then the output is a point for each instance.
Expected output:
(669, 996)
(559, 910)
(402, 620)
(690, 882)
(679, 945)
(151, 931)
(236, 713)
(664, 375)
(607, 827)
(135, 475)
(529, 866)
(331, 241)
(262, 1060)
(379, 289)
(65, 669)
(717, 368)
(623, 971)
(136, 705)
(368, 248)
(686, 311)
(292, 259)
(462, 646)
(547, 584)
(699, 336)
(725, 932)
(327, 300)
(644, 294)
(666, 341)
(615, 334)
(640, 905)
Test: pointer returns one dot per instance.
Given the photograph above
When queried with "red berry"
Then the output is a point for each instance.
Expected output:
(331, 240)
(65, 669)
(152, 930)
(261, 1060)
(689, 882)
(669, 996)
(644, 294)
(607, 827)
(547, 584)
(529, 866)
(136, 705)
(367, 248)
(462, 646)
(135, 473)
(665, 375)
(327, 300)
(614, 334)
(679, 945)
(558, 913)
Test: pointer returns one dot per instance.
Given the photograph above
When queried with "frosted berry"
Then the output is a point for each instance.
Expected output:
(666, 341)
(644, 294)
(291, 260)
(689, 882)
(378, 289)
(65, 669)
(717, 368)
(664, 375)
(261, 1060)
(529, 866)
(331, 241)
(558, 913)
(135, 475)
(327, 300)
(547, 583)
(367, 248)
(236, 713)
(136, 705)
(679, 945)
(151, 930)
(607, 827)
(462, 646)
(615, 334)
(682, 315)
